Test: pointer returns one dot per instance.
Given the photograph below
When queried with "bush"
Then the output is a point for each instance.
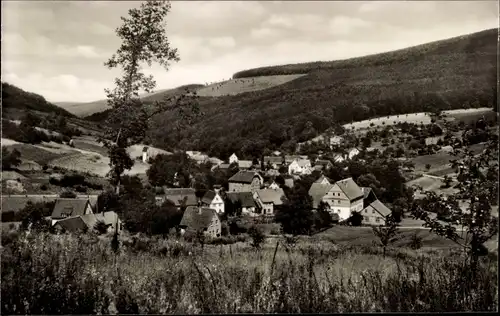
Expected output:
(43, 187)
(415, 242)
(257, 236)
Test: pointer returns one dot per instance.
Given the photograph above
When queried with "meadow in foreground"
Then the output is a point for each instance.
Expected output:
(63, 274)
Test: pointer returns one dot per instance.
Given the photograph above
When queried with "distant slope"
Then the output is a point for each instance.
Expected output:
(460, 44)
(90, 108)
(16, 98)
(449, 74)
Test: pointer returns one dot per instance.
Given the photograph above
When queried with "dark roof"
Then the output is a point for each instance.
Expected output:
(197, 217)
(72, 224)
(208, 197)
(379, 207)
(246, 198)
(244, 177)
(318, 191)
(350, 188)
(72, 207)
(323, 162)
(366, 191)
(178, 195)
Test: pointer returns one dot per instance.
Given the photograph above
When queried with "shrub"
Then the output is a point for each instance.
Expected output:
(415, 242)
(43, 187)
(257, 236)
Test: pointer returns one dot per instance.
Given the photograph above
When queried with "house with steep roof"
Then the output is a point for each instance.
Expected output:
(323, 164)
(268, 199)
(233, 158)
(245, 199)
(300, 167)
(339, 158)
(201, 219)
(71, 225)
(353, 152)
(245, 181)
(274, 162)
(213, 200)
(375, 213)
(273, 186)
(323, 180)
(343, 197)
(368, 196)
(65, 208)
(110, 219)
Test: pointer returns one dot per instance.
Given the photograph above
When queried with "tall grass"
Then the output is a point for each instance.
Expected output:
(48, 274)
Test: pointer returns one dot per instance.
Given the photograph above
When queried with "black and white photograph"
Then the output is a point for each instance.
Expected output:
(251, 157)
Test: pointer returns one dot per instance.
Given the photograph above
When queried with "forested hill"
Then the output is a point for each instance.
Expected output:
(433, 50)
(16, 98)
(454, 73)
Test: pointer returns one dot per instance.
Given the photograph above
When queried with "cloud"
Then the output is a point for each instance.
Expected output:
(222, 42)
(265, 33)
(343, 25)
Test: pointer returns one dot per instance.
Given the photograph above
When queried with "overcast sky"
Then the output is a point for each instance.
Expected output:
(57, 49)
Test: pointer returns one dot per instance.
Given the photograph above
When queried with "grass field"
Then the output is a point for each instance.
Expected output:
(470, 115)
(415, 118)
(80, 275)
(236, 86)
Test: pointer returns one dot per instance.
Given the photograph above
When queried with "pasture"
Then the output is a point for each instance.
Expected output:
(159, 276)
(415, 118)
(242, 85)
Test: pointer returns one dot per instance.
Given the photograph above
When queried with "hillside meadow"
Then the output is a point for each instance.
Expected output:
(48, 274)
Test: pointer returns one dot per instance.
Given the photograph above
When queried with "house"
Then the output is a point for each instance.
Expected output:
(338, 158)
(213, 200)
(276, 153)
(433, 140)
(109, 218)
(268, 199)
(145, 154)
(323, 180)
(289, 182)
(246, 199)
(336, 141)
(65, 208)
(71, 224)
(343, 197)
(222, 166)
(245, 181)
(272, 173)
(375, 213)
(274, 162)
(180, 197)
(353, 153)
(233, 158)
(323, 164)
(202, 219)
(273, 186)
(300, 166)
(290, 158)
(368, 196)
(244, 164)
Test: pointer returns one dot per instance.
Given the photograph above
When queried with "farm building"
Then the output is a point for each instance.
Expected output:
(323, 164)
(245, 164)
(268, 199)
(375, 213)
(180, 197)
(274, 162)
(201, 219)
(109, 218)
(246, 200)
(65, 208)
(368, 196)
(245, 181)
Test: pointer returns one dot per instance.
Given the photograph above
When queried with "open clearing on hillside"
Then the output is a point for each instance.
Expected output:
(415, 118)
(470, 115)
(430, 184)
(34, 153)
(236, 86)
(94, 164)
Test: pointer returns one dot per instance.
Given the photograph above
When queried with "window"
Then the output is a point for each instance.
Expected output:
(366, 218)
(373, 211)
(377, 219)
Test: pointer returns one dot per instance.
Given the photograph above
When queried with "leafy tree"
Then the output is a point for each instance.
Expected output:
(232, 208)
(68, 194)
(32, 217)
(144, 40)
(10, 159)
(322, 217)
(388, 233)
(296, 216)
(478, 191)
(101, 228)
(356, 219)
(258, 237)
